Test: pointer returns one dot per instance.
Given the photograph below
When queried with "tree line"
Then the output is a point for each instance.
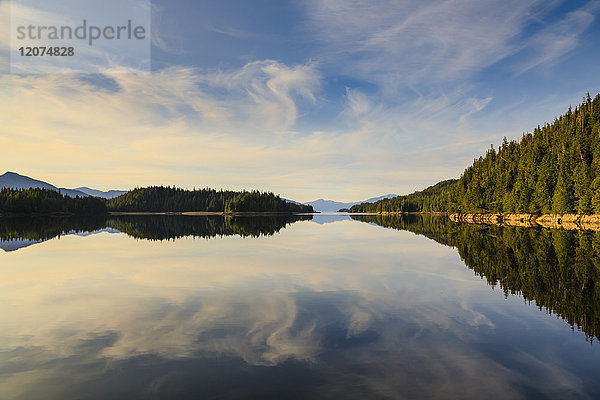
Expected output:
(46, 201)
(165, 199)
(150, 199)
(555, 169)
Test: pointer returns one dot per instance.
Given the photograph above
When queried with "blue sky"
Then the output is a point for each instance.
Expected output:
(337, 99)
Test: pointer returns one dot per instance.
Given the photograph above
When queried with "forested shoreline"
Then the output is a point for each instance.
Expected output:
(155, 199)
(554, 170)
(47, 201)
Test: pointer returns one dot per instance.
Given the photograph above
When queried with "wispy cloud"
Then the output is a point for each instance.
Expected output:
(418, 45)
(555, 40)
(357, 103)
(226, 128)
(179, 125)
(163, 28)
(4, 25)
(266, 91)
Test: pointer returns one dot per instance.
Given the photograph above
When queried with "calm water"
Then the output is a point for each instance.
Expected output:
(313, 307)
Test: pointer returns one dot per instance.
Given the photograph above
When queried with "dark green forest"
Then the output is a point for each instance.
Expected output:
(45, 201)
(557, 269)
(167, 199)
(150, 199)
(555, 169)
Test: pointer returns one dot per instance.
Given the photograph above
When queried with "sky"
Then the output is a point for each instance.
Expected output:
(343, 100)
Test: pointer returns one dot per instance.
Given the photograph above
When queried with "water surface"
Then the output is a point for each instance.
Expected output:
(329, 306)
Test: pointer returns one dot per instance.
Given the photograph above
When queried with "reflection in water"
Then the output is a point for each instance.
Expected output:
(558, 269)
(16, 233)
(322, 310)
(45, 228)
(162, 227)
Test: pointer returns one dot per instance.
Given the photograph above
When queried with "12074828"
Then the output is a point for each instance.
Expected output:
(41, 51)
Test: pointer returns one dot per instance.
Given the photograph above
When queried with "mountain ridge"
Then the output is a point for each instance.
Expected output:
(323, 205)
(13, 180)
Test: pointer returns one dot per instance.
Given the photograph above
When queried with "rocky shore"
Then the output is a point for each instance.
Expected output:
(552, 221)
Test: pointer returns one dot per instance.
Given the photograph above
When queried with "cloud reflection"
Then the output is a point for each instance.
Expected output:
(353, 309)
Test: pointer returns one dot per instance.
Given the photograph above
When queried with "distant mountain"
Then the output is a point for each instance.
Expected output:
(15, 181)
(72, 192)
(98, 193)
(291, 201)
(372, 199)
(322, 205)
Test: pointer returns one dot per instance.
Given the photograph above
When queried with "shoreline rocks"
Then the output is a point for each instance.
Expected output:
(551, 221)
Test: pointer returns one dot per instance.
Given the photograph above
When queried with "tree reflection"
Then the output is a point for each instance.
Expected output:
(151, 227)
(557, 269)
(165, 227)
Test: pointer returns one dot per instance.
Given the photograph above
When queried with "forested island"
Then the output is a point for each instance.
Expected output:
(554, 170)
(168, 199)
(155, 199)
